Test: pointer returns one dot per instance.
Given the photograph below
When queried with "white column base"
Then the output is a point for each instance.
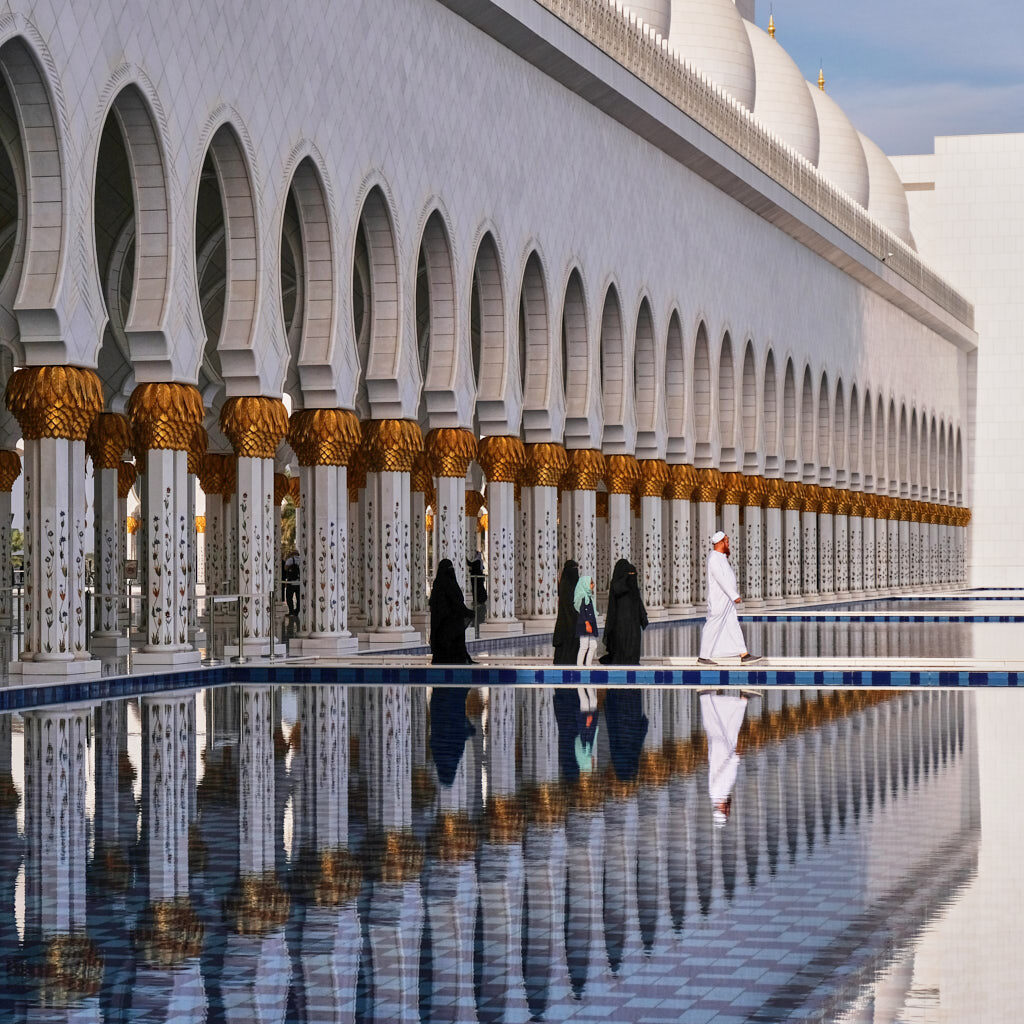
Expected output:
(110, 645)
(174, 658)
(81, 667)
(655, 614)
(677, 611)
(255, 648)
(324, 646)
(493, 629)
(536, 622)
(394, 638)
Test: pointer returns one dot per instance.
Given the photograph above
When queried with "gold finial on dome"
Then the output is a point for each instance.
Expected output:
(821, 77)
(771, 25)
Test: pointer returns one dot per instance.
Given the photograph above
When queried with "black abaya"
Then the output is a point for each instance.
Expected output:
(565, 639)
(449, 617)
(626, 619)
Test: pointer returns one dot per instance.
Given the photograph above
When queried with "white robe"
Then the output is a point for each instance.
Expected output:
(722, 716)
(722, 637)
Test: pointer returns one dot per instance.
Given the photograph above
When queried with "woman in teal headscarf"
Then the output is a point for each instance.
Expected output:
(586, 620)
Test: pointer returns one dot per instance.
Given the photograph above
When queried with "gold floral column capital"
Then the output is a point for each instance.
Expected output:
(812, 498)
(164, 417)
(132, 524)
(197, 450)
(474, 502)
(545, 464)
(621, 473)
(776, 493)
(793, 500)
(602, 505)
(829, 501)
(125, 479)
(109, 437)
(450, 450)
(10, 469)
(682, 480)
(324, 437)
(211, 477)
(734, 488)
(54, 401)
(502, 458)
(391, 445)
(755, 492)
(255, 425)
(586, 469)
(200, 524)
(654, 476)
(295, 491)
(280, 488)
(709, 484)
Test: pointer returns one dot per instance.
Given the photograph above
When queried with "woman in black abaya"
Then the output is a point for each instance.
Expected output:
(566, 640)
(449, 617)
(626, 620)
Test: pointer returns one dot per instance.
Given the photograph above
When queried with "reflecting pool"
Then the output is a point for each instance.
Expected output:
(330, 853)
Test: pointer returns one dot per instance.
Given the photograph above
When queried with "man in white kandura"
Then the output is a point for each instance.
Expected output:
(722, 637)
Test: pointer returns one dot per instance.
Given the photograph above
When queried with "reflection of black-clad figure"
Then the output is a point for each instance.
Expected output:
(626, 620)
(627, 728)
(449, 617)
(566, 640)
(576, 715)
(290, 576)
(476, 579)
(449, 730)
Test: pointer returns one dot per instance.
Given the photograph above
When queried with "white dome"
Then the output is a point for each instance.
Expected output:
(840, 155)
(782, 104)
(887, 201)
(655, 12)
(710, 35)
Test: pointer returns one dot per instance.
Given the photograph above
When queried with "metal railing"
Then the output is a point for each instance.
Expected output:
(473, 577)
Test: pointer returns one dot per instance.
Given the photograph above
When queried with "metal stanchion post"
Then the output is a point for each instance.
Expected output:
(240, 659)
(270, 622)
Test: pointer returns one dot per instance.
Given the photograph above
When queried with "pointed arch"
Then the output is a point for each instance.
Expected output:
(647, 390)
(868, 451)
(840, 453)
(726, 404)
(824, 438)
(907, 452)
(487, 316)
(376, 309)
(675, 387)
(575, 347)
(616, 378)
(959, 467)
(854, 455)
(770, 415)
(934, 484)
(749, 409)
(701, 378)
(790, 438)
(893, 450)
(535, 359)
(807, 438)
(942, 473)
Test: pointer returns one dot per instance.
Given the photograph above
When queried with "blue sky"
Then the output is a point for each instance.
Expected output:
(906, 71)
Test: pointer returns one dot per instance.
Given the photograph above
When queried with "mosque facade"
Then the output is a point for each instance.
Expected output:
(555, 278)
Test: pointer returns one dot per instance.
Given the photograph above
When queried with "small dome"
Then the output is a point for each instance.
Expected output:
(782, 104)
(887, 201)
(840, 155)
(710, 35)
(655, 12)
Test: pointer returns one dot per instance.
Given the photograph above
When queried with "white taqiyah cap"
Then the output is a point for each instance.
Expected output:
(717, 536)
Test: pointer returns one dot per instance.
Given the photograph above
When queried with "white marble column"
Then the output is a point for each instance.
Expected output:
(773, 552)
(523, 532)
(356, 477)
(419, 595)
(545, 465)
(892, 529)
(654, 476)
(391, 447)
(934, 550)
(868, 527)
(841, 547)
(604, 543)
(501, 459)
(856, 531)
(678, 540)
(255, 426)
(793, 543)
(449, 451)
(324, 440)
(622, 474)
(753, 549)
(826, 547)
(55, 406)
(881, 546)
(212, 483)
(809, 546)
(709, 485)
(10, 470)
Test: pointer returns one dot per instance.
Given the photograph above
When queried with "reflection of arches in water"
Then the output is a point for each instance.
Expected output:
(826, 779)
(584, 938)
(808, 785)
(791, 789)
(728, 852)
(627, 728)
(653, 810)
(620, 817)
(773, 807)
(750, 805)
(681, 802)
(842, 769)
(703, 844)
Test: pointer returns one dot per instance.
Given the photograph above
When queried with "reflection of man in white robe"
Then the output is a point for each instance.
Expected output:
(722, 637)
(722, 716)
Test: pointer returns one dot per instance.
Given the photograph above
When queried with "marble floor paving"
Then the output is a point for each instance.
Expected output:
(405, 853)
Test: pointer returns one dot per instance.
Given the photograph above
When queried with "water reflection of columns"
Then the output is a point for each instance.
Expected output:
(792, 540)
(752, 584)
